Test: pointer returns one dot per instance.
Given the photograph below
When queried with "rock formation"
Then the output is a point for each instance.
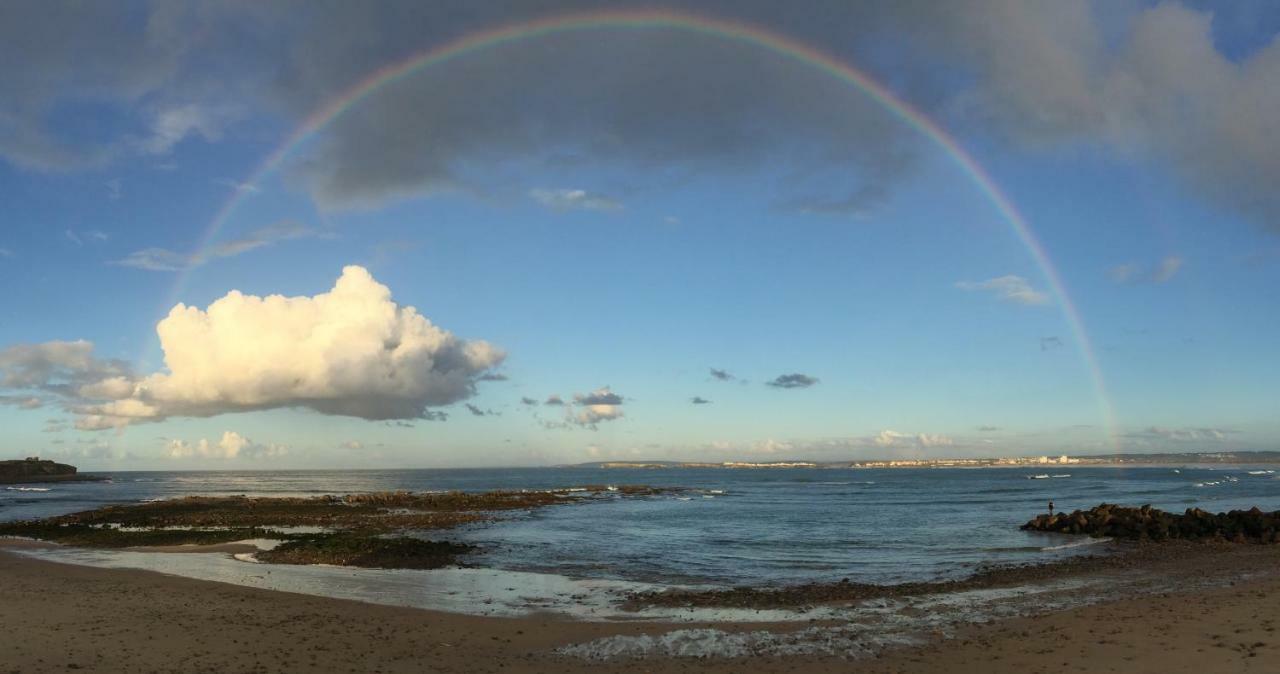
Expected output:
(1113, 521)
(34, 470)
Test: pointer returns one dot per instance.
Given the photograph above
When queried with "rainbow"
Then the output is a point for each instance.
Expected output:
(718, 28)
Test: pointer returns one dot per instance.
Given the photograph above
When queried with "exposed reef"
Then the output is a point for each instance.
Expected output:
(1113, 521)
(370, 530)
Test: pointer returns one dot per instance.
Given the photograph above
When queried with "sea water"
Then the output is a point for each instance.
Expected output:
(735, 526)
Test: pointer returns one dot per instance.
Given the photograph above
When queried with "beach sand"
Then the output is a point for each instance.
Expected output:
(58, 618)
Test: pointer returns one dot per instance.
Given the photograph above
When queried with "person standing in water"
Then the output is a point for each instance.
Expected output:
(1050, 508)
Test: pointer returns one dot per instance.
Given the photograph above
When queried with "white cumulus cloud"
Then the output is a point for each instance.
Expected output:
(351, 351)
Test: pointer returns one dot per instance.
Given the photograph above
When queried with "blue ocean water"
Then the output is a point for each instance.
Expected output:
(748, 526)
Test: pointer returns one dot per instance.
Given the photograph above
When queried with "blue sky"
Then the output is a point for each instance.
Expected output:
(608, 217)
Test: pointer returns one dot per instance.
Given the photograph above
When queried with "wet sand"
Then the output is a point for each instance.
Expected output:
(58, 617)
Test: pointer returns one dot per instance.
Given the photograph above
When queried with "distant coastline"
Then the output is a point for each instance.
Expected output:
(1163, 459)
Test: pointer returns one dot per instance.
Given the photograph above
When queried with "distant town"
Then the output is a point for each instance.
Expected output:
(991, 462)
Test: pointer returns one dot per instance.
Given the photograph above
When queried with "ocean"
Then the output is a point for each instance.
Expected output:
(736, 526)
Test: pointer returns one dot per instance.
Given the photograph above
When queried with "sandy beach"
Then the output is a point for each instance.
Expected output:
(61, 617)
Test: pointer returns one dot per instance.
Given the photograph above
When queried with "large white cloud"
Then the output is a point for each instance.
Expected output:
(351, 351)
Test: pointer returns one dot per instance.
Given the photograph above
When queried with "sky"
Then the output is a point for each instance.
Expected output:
(254, 236)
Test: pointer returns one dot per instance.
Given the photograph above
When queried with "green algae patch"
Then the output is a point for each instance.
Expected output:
(86, 536)
(356, 549)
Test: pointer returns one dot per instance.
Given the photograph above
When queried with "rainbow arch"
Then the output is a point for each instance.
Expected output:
(718, 28)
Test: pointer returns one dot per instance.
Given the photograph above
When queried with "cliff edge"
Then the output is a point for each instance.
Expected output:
(36, 470)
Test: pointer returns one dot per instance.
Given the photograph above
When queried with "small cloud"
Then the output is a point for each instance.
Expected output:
(889, 438)
(239, 187)
(699, 400)
(476, 411)
(591, 415)
(988, 429)
(493, 376)
(1167, 269)
(171, 126)
(771, 446)
(154, 259)
(5, 252)
(1187, 434)
(794, 380)
(598, 397)
(589, 409)
(1131, 272)
(428, 415)
(1121, 273)
(73, 237)
(528, 401)
(722, 375)
(566, 200)
(671, 220)
(160, 259)
(232, 445)
(286, 230)
(114, 188)
(352, 444)
(1008, 288)
(553, 400)
(22, 402)
(862, 202)
(1049, 343)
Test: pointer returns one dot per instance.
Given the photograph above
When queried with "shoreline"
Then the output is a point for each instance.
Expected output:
(51, 479)
(70, 614)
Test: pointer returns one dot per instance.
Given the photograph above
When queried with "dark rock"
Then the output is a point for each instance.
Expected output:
(1112, 521)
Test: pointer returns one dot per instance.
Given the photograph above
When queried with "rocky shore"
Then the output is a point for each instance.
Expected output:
(1119, 522)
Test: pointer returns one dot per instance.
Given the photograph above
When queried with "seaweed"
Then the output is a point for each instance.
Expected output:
(365, 550)
(83, 535)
